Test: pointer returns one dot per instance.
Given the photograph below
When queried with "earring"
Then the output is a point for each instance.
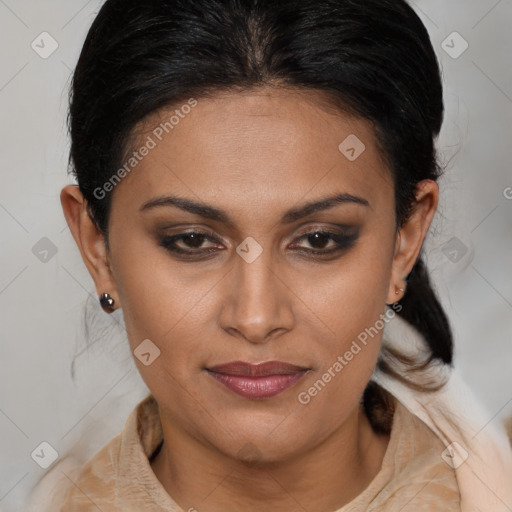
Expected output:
(397, 292)
(400, 290)
(107, 302)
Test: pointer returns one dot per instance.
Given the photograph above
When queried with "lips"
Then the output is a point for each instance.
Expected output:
(263, 380)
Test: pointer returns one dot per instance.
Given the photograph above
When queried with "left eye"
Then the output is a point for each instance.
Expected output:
(319, 239)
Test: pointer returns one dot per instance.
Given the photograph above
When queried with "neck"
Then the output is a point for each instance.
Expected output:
(327, 477)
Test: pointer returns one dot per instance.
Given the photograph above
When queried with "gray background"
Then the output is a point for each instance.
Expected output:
(43, 295)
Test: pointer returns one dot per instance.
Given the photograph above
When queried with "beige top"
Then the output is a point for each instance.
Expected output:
(119, 478)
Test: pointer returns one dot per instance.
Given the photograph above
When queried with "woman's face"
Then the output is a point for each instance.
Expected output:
(249, 287)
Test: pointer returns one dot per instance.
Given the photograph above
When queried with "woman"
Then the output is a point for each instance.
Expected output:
(256, 180)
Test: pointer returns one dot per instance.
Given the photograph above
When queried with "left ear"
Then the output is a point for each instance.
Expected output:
(411, 236)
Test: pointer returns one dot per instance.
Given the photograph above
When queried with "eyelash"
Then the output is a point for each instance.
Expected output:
(343, 242)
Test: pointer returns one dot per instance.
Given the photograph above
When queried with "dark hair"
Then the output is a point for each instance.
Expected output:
(372, 58)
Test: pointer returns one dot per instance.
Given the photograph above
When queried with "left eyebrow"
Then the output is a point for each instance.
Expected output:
(211, 212)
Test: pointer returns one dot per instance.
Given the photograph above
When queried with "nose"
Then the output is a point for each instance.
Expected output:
(258, 305)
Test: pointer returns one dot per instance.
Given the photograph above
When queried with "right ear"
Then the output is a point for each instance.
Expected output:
(89, 239)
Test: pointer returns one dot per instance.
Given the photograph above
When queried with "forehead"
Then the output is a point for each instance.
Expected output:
(258, 147)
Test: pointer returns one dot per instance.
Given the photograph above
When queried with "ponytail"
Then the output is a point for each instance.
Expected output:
(422, 309)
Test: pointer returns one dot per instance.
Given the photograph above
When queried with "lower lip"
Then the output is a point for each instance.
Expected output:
(257, 387)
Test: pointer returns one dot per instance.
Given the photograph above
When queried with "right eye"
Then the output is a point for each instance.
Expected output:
(192, 240)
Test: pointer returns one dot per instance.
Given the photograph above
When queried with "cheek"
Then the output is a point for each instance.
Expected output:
(349, 295)
(350, 302)
(159, 307)
(346, 355)
(156, 297)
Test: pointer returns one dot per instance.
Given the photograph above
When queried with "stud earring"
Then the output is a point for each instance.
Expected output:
(107, 302)
(397, 292)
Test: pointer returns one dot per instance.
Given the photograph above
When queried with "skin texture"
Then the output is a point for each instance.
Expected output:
(255, 155)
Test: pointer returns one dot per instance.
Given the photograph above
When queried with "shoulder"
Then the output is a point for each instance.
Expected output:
(96, 481)
(49, 492)
(416, 473)
(427, 474)
(78, 484)
(119, 476)
(74, 486)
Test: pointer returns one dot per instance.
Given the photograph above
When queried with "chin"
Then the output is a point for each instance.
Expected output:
(262, 450)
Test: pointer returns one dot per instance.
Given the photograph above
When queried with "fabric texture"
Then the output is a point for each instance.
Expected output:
(444, 455)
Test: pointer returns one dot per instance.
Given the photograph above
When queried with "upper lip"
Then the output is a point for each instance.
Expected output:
(257, 370)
